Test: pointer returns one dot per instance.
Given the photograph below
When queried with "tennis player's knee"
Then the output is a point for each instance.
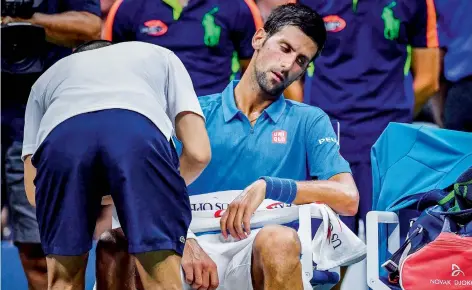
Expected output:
(275, 243)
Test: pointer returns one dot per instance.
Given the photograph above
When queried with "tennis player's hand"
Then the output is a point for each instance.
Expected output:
(241, 209)
(199, 269)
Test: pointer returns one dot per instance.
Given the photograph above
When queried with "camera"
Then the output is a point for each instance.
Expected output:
(23, 44)
(18, 8)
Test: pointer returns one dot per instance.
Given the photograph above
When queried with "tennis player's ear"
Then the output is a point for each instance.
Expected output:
(259, 38)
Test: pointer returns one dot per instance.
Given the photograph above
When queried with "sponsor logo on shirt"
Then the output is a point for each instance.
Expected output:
(391, 23)
(334, 23)
(327, 140)
(154, 28)
(212, 30)
(220, 207)
(279, 136)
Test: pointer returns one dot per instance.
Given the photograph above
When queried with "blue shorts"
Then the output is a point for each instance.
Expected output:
(117, 152)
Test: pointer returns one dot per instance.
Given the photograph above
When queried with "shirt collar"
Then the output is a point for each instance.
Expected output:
(229, 105)
(274, 111)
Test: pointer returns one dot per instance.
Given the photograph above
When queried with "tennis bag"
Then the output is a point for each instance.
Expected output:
(438, 251)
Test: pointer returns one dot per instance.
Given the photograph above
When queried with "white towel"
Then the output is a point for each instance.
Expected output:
(333, 245)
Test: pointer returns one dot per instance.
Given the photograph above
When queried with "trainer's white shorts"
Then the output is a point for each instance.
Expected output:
(232, 258)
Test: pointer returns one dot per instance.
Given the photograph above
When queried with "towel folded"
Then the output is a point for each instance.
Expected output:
(333, 244)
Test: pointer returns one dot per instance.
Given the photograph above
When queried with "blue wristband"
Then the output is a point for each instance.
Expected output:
(280, 189)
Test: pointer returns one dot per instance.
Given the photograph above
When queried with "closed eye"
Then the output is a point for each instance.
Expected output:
(285, 48)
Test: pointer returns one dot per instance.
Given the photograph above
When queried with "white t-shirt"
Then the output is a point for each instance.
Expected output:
(142, 77)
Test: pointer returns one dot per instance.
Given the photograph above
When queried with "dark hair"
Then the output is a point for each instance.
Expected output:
(300, 16)
(93, 44)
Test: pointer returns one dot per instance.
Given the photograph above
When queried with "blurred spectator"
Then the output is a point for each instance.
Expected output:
(455, 35)
(359, 78)
(212, 38)
(67, 23)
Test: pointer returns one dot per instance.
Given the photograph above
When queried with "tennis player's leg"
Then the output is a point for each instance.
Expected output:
(149, 194)
(69, 187)
(271, 261)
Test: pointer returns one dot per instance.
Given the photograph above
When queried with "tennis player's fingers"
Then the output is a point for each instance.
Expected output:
(223, 222)
(198, 279)
(214, 282)
(188, 272)
(238, 221)
(205, 279)
(247, 221)
(232, 210)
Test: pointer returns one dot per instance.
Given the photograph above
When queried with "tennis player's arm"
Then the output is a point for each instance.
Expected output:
(338, 192)
(333, 183)
(33, 114)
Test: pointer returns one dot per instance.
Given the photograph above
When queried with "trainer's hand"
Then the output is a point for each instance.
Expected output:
(199, 269)
(241, 209)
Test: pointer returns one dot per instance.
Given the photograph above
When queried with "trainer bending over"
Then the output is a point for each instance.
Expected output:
(101, 121)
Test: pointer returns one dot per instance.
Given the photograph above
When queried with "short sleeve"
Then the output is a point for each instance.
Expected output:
(33, 116)
(423, 29)
(91, 6)
(324, 159)
(181, 94)
(246, 22)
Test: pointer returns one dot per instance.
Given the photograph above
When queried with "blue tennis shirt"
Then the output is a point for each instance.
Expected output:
(289, 140)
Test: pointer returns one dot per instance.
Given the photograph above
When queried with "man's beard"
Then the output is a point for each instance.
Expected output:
(265, 85)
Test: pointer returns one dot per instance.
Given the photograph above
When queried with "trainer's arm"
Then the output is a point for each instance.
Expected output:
(189, 122)
(339, 192)
(196, 152)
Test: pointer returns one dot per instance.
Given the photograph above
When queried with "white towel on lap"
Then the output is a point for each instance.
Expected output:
(333, 244)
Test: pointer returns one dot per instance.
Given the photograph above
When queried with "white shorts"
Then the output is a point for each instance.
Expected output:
(232, 259)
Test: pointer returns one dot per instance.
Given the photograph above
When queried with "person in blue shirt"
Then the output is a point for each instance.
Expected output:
(264, 144)
(211, 37)
(359, 80)
(455, 38)
(67, 24)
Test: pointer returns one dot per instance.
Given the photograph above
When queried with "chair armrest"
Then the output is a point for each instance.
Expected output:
(374, 218)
